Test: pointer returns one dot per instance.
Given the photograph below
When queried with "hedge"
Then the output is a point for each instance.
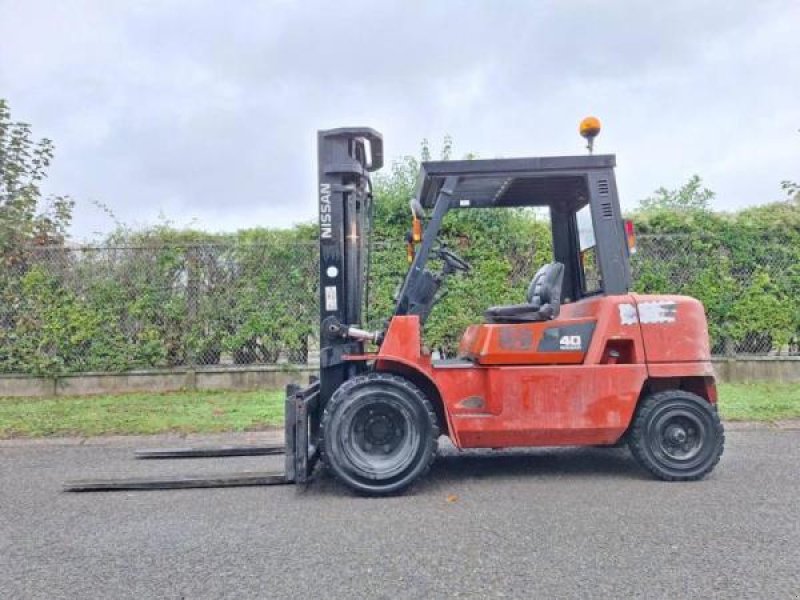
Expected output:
(165, 298)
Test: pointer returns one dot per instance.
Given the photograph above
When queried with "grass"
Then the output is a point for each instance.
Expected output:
(208, 412)
(759, 401)
(143, 413)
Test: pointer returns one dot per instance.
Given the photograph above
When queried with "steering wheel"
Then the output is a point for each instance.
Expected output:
(452, 260)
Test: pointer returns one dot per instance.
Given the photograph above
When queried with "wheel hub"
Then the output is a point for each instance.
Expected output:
(379, 430)
(676, 434)
(681, 437)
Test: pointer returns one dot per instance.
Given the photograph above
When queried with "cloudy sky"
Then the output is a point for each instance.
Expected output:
(205, 111)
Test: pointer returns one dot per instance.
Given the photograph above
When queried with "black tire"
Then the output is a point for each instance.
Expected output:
(380, 434)
(677, 436)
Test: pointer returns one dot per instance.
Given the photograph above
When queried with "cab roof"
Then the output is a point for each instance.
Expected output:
(509, 182)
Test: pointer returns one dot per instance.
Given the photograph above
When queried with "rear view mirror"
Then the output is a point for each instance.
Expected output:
(416, 208)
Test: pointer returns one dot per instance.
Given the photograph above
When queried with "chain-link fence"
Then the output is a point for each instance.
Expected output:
(207, 305)
(750, 287)
(114, 309)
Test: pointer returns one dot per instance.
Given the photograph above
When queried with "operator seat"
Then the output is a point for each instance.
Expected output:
(544, 299)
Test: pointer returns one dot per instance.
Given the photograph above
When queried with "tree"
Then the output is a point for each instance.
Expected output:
(792, 189)
(25, 215)
(691, 196)
(26, 219)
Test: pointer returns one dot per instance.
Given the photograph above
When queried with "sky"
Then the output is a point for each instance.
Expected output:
(204, 113)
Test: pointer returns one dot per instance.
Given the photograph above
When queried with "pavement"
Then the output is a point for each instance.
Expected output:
(546, 523)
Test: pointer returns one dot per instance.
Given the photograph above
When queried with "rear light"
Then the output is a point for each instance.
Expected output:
(630, 235)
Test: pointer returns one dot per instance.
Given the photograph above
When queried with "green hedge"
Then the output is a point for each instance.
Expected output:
(160, 299)
(163, 298)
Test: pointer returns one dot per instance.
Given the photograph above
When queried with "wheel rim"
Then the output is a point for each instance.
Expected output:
(680, 437)
(380, 440)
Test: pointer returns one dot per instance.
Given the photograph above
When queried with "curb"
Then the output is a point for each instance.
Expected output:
(784, 425)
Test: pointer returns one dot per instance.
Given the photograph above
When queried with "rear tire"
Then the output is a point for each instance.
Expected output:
(677, 436)
(380, 434)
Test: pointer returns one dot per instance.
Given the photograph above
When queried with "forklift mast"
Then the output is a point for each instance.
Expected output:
(346, 157)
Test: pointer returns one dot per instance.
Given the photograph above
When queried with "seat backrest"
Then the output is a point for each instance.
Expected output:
(545, 287)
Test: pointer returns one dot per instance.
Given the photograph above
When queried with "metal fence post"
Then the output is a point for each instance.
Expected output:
(192, 291)
(728, 347)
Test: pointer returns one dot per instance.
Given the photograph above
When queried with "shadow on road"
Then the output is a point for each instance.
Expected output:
(540, 463)
(453, 467)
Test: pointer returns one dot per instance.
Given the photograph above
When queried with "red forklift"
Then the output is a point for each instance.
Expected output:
(580, 361)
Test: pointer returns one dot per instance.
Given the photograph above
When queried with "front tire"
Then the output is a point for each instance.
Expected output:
(380, 434)
(677, 436)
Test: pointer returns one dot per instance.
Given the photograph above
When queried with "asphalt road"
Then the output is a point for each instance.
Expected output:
(569, 523)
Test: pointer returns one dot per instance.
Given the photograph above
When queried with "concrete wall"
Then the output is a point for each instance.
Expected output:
(239, 378)
(758, 368)
(770, 368)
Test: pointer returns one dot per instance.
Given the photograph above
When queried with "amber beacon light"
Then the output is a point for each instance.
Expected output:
(590, 128)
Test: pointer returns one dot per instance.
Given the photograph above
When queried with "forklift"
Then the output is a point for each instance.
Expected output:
(580, 361)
